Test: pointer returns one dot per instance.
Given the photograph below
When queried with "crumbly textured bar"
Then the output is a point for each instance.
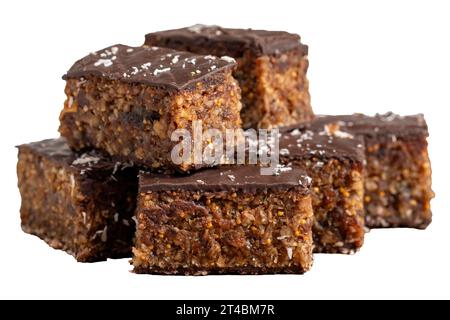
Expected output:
(334, 161)
(226, 220)
(127, 101)
(271, 69)
(82, 204)
(398, 172)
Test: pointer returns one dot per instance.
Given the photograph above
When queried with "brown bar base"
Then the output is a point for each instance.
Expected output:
(224, 221)
(80, 204)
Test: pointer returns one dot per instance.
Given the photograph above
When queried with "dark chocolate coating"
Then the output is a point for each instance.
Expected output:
(232, 42)
(305, 144)
(227, 178)
(57, 150)
(360, 124)
(152, 66)
(388, 123)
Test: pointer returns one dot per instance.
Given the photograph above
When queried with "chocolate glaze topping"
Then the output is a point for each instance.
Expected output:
(232, 42)
(227, 178)
(360, 124)
(323, 144)
(388, 123)
(149, 65)
(58, 151)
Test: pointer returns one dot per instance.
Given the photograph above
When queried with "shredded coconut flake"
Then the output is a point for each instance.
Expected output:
(158, 71)
(289, 252)
(281, 169)
(146, 65)
(342, 134)
(104, 62)
(85, 159)
(228, 59)
(175, 59)
(135, 70)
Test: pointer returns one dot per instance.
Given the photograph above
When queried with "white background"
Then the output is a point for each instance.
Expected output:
(364, 57)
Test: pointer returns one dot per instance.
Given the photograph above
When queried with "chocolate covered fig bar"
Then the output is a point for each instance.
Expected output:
(334, 161)
(82, 204)
(224, 220)
(271, 69)
(127, 101)
(398, 172)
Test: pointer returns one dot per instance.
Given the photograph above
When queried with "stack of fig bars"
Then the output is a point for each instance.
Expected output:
(125, 179)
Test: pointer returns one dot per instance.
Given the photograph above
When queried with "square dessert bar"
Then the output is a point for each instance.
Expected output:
(82, 204)
(225, 220)
(271, 69)
(334, 161)
(127, 101)
(398, 172)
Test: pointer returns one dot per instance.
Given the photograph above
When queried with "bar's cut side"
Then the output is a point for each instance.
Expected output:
(398, 172)
(127, 101)
(334, 160)
(81, 204)
(226, 221)
(271, 69)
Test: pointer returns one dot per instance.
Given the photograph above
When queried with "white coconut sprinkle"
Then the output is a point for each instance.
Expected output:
(175, 59)
(158, 71)
(228, 59)
(289, 252)
(146, 65)
(85, 159)
(135, 70)
(104, 62)
(342, 134)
